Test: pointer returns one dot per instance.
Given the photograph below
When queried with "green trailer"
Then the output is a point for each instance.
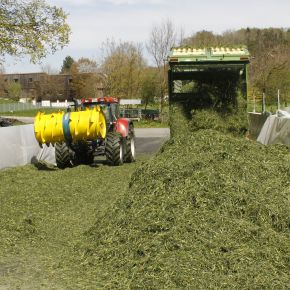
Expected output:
(208, 77)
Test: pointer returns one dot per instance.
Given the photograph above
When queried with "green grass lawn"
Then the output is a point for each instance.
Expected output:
(30, 113)
(7, 101)
(43, 217)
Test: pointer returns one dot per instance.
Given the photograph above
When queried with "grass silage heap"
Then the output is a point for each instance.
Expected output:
(210, 211)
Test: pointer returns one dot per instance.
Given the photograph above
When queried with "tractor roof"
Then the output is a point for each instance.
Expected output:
(210, 54)
(101, 100)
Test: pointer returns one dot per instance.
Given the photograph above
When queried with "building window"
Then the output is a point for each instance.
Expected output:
(30, 80)
(16, 80)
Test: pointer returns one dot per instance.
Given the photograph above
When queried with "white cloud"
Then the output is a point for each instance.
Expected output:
(133, 2)
(70, 2)
(83, 3)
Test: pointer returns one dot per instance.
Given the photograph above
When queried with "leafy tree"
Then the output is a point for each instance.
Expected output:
(67, 64)
(14, 91)
(31, 28)
(149, 86)
(3, 87)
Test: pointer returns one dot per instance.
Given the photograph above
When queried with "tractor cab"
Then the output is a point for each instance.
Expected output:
(109, 106)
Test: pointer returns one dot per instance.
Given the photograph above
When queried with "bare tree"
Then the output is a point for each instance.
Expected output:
(162, 39)
(203, 39)
(87, 80)
(47, 68)
(2, 69)
(85, 65)
(270, 69)
(123, 66)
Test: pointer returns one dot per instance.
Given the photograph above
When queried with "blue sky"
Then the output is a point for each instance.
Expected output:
(94, 21)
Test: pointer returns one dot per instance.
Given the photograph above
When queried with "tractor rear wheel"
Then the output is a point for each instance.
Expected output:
(130, 154)
(63, 155)
(114, 149)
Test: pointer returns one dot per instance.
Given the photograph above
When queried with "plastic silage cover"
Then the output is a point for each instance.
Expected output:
(276, 129)
(18, 146)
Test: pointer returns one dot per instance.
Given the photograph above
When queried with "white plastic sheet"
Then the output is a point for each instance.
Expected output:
(47, 154)
(18, 146)
(276, 129)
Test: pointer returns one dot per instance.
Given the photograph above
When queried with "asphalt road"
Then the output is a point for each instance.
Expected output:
(149, 140)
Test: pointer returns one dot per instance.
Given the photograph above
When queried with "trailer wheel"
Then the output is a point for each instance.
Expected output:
(114, 149)
(63, 155)
(130, 154)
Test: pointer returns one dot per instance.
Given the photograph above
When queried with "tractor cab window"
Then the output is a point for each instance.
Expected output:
(115, 111)
(106, 110)
(111, 111)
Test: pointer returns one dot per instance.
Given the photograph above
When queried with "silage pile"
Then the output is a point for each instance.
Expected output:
(210, 211)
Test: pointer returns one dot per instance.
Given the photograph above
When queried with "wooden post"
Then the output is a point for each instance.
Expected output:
(263, 102)
(278, 100)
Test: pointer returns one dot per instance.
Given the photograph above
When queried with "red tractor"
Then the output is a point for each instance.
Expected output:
(118, 146)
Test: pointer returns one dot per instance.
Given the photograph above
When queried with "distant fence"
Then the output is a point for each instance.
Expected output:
(269, 103)
(56, 104)
(134, 114)
(16, 107)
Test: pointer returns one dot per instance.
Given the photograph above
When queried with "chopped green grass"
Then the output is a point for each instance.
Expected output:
(211, 211)
(43, 215)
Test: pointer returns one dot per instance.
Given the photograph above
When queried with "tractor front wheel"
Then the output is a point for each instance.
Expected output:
(63, 155)
(114, 149)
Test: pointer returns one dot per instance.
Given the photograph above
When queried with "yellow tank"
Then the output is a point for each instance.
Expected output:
(71, 126)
